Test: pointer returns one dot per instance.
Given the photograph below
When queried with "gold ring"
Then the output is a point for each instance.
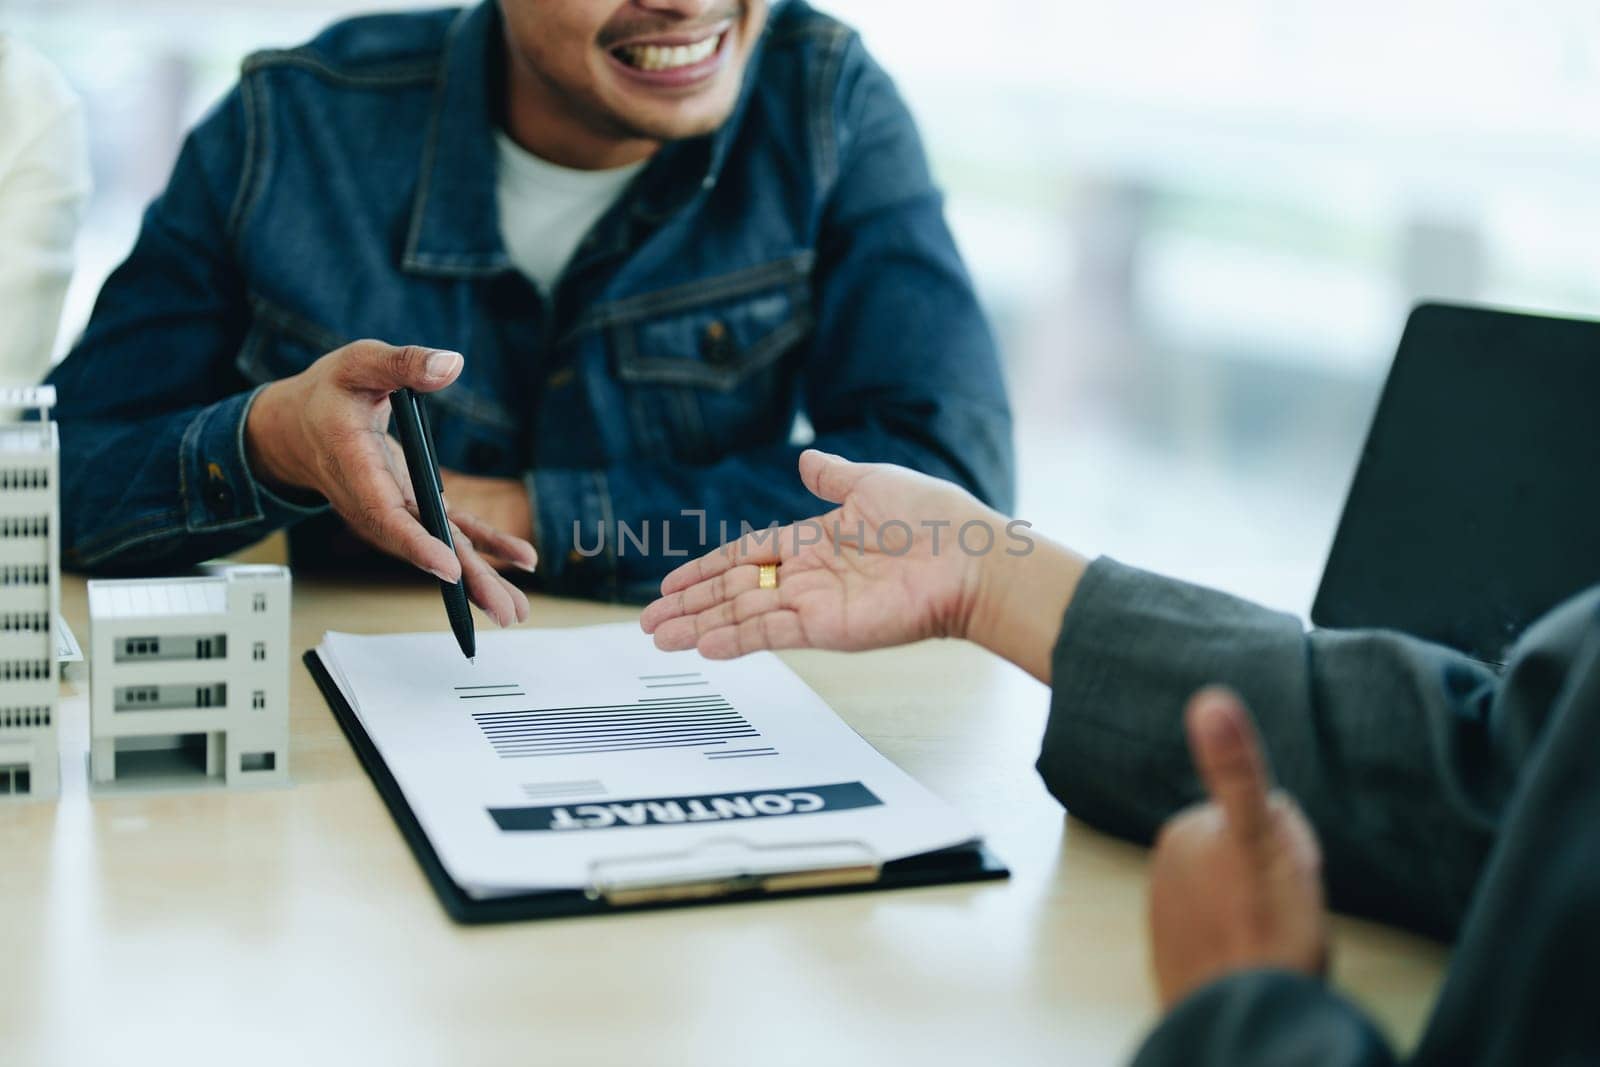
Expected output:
(767, 576)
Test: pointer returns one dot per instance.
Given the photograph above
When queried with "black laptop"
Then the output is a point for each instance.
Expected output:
(1476, 504)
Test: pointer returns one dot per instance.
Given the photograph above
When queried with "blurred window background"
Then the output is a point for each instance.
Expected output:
(1197, 227)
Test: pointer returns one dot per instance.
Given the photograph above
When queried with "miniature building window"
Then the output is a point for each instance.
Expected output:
(24, 574)
(29, 526)
(16, 670)
(258, 761)
(140, 647)
(15, 778)
(258, 602)
(25, 718)
(38, 478)
(27, 622)
(258, 699)
(258, 651)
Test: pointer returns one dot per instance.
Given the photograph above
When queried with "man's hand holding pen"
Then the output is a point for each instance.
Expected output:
(324, 431)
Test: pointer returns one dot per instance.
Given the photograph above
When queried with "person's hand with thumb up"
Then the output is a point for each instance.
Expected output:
(1235, 882)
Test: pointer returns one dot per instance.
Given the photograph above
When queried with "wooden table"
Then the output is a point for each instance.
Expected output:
(292, 925)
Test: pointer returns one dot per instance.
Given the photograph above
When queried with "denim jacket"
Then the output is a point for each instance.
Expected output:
(792, 268)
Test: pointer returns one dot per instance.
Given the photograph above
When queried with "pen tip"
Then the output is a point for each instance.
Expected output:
(473, 660)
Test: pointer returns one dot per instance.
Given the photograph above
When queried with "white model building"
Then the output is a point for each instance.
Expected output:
(29, 593)
(190, 677)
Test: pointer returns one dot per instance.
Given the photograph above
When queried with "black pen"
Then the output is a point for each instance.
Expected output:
(411, 419)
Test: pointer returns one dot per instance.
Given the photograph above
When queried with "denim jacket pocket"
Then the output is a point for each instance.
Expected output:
(280, 343)
(704, 373)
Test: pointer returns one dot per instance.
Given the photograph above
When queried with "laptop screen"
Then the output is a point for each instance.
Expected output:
(1476, 503)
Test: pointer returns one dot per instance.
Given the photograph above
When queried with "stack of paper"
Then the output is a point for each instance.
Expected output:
(563, 753)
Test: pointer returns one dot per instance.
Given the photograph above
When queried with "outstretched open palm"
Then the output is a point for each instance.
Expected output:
(889, 565)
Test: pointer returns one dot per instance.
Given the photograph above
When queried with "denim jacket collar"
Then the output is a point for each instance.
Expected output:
(455, 223)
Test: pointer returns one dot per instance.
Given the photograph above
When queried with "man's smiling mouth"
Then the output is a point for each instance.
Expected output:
(670, 55)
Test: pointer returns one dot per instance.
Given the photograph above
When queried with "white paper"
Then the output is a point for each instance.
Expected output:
(67, 650)
(595, 749)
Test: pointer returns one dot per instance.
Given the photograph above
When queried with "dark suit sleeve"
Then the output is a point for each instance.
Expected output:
(1264, 1017)
(1522, 986)
(1403, 754)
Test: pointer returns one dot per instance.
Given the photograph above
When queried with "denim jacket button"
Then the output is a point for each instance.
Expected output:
(716, 345)
(220, 496)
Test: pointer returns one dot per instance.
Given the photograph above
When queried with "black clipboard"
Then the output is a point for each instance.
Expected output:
(973, 863)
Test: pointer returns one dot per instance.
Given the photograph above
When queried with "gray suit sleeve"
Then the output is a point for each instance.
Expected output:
(1264, 1017)
(1402, 753)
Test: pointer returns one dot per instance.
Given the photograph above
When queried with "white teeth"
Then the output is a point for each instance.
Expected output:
(669, 57)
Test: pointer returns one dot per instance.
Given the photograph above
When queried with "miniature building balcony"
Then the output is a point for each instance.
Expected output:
(170, 649)
(29, 551)
(25, 647)
(237, 668)
(24, 599)
(137, 698)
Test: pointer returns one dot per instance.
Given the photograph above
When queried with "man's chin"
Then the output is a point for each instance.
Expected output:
(665, 113)
(655, 124)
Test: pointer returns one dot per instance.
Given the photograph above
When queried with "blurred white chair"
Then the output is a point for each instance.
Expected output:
(44, 186)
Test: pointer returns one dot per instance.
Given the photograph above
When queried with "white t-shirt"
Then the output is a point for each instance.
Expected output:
(545, 210)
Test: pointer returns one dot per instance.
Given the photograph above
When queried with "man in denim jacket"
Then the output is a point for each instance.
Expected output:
(771, 258)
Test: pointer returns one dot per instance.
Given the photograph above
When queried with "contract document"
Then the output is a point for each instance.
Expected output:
(563, 754)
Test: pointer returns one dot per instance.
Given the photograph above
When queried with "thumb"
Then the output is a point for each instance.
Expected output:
(1227, 754)
(829, 476)
(372, 366)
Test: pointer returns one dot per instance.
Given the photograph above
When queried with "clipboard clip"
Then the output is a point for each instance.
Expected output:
(726, 866)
